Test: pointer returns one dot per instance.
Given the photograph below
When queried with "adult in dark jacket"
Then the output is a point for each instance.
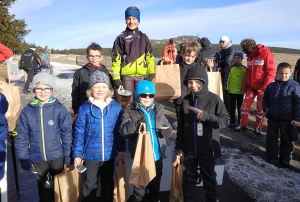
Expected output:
(198, 134)
(281, 104)
(206, 53)
(224, 64)
(29, 62)
(150, 112)
(82, 76)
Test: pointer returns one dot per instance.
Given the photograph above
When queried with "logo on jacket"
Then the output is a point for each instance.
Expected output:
(50, 122)
(259, 62)
(128, 37)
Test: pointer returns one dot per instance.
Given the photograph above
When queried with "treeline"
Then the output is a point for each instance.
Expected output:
(157, 50)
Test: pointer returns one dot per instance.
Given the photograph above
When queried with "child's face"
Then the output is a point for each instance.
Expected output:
(237, 60)
(193, 85)
(43, 93)
(146, 99)
(284, 74)
(132, 23)
(99, 91)
(189, 58)
(94, 57)
(223, 44)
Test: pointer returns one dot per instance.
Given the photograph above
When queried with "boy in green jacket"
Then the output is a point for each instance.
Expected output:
(234, 86)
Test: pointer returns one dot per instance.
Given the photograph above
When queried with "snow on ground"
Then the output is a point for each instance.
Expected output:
(260, 180)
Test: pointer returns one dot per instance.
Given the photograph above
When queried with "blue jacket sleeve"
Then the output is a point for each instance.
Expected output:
(265, 103)
(296, 103)
(3, 136)
(79, 134)
(66, 130)
(121, 143)
(22, 139)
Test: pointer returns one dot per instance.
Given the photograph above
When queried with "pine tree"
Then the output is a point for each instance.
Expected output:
(12, 31)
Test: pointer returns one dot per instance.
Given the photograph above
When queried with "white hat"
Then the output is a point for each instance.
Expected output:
(225, 38)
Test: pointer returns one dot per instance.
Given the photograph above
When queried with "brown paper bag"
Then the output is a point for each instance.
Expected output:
(12, 94)
(176, 194)
(143, 167)
(68, 185)
(124, 101)
(167, 82)
(215, 83)
(121, 189)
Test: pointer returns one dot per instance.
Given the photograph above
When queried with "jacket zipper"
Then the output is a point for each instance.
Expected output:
(195, 127)
(213, 151)
(102, 120)
(43, 134)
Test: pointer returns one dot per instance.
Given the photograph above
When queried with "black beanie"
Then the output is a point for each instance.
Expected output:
(205, 42)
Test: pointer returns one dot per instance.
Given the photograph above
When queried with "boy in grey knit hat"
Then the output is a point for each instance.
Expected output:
(45, 124)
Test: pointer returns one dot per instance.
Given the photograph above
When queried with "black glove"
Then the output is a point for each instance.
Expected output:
(178, 152)
(68, 161)
(141, 120)
(26, 164)
(150, 77)
(118, 83)
(166, 132)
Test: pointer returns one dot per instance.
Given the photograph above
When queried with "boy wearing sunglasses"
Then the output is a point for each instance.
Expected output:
(145, 110)
(81, 76)
(202, 114)
(44, 139)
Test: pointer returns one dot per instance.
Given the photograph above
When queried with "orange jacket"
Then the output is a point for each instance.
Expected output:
(5, 53)
(169, 51)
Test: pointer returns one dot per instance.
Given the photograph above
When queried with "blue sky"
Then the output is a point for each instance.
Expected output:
(64, 24)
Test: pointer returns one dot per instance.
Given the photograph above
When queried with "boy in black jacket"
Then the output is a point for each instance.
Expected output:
(198, 134)
(189, 54)
(82, 76)
(281, 104)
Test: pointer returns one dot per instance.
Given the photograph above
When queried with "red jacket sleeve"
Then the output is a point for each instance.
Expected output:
(5, 53)
(270, 69)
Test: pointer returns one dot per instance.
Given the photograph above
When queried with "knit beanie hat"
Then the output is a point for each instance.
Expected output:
(3, 104)
(99, 77)
(205, 42)
(43, 79)
(144, 87)
(240, 54)
(132, 12)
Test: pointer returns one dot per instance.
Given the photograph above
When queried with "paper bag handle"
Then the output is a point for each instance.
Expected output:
(143, 125)
(210, 69)
(178, 161)
(161, 61)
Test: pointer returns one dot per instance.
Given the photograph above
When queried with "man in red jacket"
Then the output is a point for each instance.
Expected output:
(169, 52)
(5, 53)
(261, 70)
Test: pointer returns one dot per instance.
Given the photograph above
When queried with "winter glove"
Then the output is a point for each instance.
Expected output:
(178, 152)
(166, 132)
(68, 161)
(118, 83)
(26, 164)
(150, 77)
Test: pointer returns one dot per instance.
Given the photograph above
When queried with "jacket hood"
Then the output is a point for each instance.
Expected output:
(258, 50)
(29, 51)
(197, 72)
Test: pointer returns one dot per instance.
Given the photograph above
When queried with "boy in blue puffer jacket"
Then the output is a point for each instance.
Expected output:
(44, 137)
(145, 110)
(3, 133)
(281, 104)
(97, 140)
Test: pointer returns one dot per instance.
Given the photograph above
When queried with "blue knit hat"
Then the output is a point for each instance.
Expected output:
(132, 12)
(239, 53)
(144, 87)
(3, 104)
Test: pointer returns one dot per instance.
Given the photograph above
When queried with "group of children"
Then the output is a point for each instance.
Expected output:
(46, 139)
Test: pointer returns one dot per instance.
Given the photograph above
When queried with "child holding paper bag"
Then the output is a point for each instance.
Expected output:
(150, 112)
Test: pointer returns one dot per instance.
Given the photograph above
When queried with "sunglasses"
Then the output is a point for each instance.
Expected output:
(145, 95)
